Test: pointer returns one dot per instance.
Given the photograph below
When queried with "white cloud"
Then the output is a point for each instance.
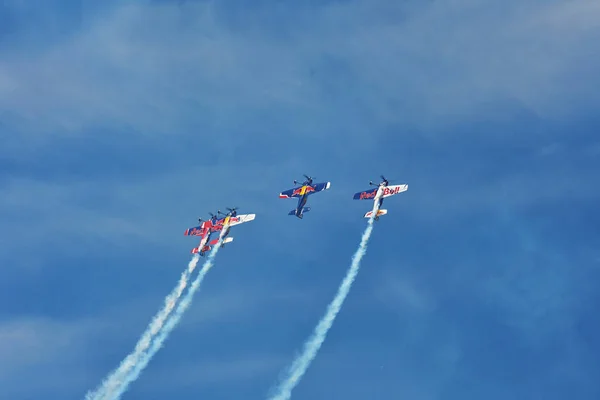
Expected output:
(28, 342)
(182, 70)
(50, 347)
(339, 74)
(46, 351)
(239, 369)
(165, 68)
(399, 291)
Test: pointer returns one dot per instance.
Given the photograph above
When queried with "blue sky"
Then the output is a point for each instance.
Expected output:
(123, 122)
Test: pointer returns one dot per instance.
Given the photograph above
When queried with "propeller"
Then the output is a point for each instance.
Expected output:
(308, 178)
(230, 210)
(383, 178)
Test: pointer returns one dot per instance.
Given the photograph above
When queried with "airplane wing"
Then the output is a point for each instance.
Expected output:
(241, 218)
(299, 191)
(290, 193)
(394, 189)
(319, 187)
(366, 194)
(196, 231)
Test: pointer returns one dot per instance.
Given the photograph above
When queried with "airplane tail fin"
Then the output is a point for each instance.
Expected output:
(379, 213)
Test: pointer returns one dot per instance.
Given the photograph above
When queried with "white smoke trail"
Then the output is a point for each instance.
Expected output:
(313, 344)
(116, 378)
(172, 322)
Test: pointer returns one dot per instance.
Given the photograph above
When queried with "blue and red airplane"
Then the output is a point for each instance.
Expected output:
(302, 192)
(377, 194)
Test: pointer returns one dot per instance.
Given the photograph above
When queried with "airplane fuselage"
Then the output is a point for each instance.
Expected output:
(379, 195)
(301, 203)
(226, 226)
(379, 199)
(204, 242)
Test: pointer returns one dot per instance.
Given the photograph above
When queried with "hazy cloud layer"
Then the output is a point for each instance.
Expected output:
(122, 123)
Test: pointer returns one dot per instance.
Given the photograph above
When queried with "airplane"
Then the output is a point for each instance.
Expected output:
(302, 192)
(205, 231)
(383, 189)
(213, 225)
(231, 219)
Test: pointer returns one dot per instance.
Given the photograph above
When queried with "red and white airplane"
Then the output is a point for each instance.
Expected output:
(383, 190)
(216, 225)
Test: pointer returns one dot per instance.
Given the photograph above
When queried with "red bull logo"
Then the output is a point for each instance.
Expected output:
(387, 191)
(195, 231)
(229, 220)
(367, 195)
(301, 191)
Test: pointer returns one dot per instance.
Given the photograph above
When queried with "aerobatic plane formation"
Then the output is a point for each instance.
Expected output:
(218, 224)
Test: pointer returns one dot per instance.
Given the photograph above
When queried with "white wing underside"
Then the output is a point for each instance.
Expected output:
(392, 190)
(242, 218)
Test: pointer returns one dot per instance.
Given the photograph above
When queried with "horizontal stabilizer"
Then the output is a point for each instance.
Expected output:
(212, 243)
(379, 213)
(196, 250)
(304, 210)
(228, 239)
